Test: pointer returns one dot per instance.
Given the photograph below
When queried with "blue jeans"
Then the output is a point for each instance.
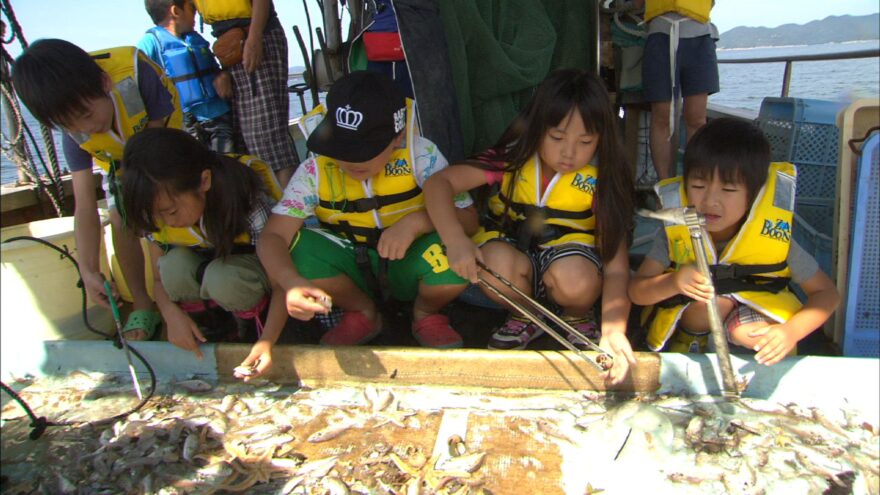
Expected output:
(215, 133)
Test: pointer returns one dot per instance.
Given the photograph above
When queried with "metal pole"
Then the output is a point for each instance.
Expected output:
(786, 79)
(719, 337)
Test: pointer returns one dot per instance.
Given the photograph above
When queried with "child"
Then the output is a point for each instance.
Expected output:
(364, 186)
(204, 213)
(259, 80)
(558, 225)
(189, 62)
(99, 100)
(748, 203)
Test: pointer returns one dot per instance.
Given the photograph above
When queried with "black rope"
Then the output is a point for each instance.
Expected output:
(39, 425)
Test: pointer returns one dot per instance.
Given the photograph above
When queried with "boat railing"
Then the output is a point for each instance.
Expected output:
(790, 59)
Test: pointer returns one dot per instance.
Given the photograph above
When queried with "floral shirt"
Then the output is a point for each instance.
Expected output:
(301, 194)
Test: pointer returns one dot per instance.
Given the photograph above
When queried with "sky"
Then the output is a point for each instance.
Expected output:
(94, 24)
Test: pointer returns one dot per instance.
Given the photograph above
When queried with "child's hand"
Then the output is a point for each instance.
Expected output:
(462, 256)
(774, 344)
(94, 283)
(304, 300)
(259, 360)
(183, 331)
(223, 85)
(395, 240)
(690, 282)
(621, 351)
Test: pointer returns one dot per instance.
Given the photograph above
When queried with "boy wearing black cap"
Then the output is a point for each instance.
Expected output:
(364, 185)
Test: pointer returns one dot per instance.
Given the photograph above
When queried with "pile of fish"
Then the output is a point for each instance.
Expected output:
(196, 437)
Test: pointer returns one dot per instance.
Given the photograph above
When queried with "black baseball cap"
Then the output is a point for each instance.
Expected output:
(365, 111)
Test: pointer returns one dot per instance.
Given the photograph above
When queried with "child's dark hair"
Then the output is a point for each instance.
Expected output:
(169, 159)
(159, 9)
(55, 78)
(554, 99)
(735, 149)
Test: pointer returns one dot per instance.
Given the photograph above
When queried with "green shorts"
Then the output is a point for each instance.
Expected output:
(319, 253)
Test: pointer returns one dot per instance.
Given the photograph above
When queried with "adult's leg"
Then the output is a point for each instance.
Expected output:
(262, 104)
(662, 145)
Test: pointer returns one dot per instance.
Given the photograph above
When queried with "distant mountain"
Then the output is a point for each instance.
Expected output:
(832, 29)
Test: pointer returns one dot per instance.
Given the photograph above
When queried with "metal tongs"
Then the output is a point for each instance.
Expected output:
(602, 362)
(696, 224)
(117, 318)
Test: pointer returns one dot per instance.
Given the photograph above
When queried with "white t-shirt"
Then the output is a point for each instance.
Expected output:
(301, 194)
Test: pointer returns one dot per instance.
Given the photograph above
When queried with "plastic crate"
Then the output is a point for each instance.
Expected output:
(812, 230)
(862, 323)
(804, 132)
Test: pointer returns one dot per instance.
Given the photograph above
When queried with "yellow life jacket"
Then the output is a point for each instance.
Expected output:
(195, 236)
(121, 65)
(563, 214)
(753, 264)
(697, 10)
(213, 11)
(359, 210)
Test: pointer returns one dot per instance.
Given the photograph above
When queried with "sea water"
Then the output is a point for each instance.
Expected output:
(743, 86)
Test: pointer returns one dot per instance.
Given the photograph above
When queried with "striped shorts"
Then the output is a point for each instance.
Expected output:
(542, 259)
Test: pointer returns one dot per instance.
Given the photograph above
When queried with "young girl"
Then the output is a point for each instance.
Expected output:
(559, 224)
(748, 203)
(204, 212)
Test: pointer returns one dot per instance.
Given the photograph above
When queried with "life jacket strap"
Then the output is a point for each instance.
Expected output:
(364, 205)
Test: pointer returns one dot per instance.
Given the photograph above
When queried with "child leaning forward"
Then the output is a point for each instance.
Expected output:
(558, 226)
(376, 240)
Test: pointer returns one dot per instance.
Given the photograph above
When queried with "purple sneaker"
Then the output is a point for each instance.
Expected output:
(586, 326)
(515, 334)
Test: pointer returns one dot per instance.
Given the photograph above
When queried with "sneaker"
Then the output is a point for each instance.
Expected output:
(354, 329)
(515, 334)
(435, 331)
(586, 326)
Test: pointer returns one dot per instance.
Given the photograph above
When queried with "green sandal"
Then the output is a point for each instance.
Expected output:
(143, 319)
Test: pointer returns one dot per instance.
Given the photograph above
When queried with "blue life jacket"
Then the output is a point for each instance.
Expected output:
(190, 64)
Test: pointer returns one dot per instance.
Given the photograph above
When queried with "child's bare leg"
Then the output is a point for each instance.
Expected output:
(348, 296)
(574, 283)
(432, 298)
(127, 247)
(739, 335)
(511, 264)
(696, 317)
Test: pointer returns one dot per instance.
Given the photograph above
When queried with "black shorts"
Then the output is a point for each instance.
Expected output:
(696, 69)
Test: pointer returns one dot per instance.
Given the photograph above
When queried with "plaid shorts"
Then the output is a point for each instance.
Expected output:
(741, 315)
(261, 104)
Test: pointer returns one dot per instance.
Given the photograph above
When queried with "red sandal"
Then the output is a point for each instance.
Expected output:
(354, 329)
(435, 331)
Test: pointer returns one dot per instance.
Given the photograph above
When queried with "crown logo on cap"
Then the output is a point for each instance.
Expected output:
(348, 118)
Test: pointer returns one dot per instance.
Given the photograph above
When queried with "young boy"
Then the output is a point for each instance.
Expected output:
(189, 62)
(99, 100)
(364, 186)
(748, 204)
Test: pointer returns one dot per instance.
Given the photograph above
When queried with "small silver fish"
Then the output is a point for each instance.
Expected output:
(245, 370)
(190, 446)
(195, 385)
(330, 432)
(461, 464)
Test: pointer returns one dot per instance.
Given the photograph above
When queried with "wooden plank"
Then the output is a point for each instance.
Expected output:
(549, 370)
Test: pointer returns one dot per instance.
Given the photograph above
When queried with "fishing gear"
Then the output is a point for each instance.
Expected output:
(40, 424)
(696, 225)
(602, 362)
